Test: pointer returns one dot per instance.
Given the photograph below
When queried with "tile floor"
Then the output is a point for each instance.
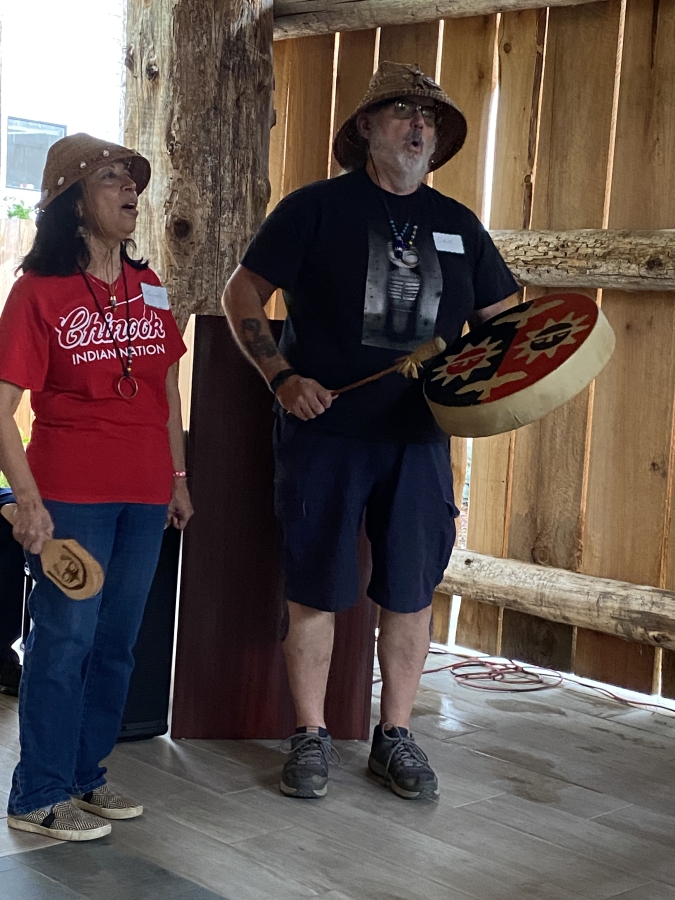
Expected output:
(558, 795)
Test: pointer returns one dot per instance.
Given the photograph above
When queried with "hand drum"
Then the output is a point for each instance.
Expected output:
(518, 366)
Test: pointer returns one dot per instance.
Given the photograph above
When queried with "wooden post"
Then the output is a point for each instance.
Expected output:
(199, 89)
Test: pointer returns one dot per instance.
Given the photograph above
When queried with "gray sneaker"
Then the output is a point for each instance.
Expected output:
(64, 822)
(305, 774)
(105, 802)
(402, 764)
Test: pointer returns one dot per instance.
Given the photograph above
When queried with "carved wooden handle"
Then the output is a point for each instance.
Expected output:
(8, 510)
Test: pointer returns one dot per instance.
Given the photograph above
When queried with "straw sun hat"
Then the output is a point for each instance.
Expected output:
(402, 80)
(78, 155)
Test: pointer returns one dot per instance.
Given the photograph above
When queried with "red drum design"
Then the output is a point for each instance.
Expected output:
(520, 365)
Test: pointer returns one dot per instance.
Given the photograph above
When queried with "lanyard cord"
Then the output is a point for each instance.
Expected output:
(126, 368)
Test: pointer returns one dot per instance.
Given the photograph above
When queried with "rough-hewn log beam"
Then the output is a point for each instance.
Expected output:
(625, 260)
(634, 612)
(299, 18)
(199, 106)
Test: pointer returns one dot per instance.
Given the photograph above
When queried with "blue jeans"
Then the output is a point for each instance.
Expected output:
(78, 658)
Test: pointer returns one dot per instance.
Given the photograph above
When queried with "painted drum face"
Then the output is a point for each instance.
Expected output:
(512, 351)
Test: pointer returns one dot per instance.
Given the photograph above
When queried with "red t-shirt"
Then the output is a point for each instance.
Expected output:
(88, 444)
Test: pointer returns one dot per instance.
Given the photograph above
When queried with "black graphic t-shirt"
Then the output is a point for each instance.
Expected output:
(353, 309)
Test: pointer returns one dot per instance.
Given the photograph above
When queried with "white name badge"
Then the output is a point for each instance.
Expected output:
(155, 296)
(448, 243)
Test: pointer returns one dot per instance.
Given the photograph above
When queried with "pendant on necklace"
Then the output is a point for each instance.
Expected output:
(113, 301)
(127, 386)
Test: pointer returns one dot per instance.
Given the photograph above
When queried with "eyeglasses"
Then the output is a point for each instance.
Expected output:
(406, 109)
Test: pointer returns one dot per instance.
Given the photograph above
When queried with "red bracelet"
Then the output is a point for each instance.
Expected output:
(179, 474)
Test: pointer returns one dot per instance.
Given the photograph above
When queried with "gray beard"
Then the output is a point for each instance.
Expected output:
(411, 169)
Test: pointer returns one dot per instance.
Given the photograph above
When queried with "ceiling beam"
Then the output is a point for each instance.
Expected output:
(301, 18)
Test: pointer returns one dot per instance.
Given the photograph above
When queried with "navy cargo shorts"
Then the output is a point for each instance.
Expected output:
(324, 486)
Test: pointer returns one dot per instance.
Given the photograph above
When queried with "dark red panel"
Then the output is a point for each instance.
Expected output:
(230, 679)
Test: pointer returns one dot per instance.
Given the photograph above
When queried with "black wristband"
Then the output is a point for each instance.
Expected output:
(279, 379)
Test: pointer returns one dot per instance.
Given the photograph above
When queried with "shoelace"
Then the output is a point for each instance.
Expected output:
(310, 749)
(404, 752)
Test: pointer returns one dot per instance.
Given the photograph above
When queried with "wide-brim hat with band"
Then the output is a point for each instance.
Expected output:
(78, 155)
(402, 80)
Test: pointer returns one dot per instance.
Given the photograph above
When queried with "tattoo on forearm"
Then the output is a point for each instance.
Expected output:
(258, 345)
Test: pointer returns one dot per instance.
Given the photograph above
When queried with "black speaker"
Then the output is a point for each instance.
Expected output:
(147, 711)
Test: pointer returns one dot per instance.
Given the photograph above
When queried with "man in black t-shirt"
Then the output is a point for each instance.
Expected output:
(372, 264)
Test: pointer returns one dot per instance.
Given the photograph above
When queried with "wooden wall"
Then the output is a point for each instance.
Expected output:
(16, 238)
(584, 138)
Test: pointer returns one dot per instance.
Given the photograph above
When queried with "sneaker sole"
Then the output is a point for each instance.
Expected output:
(428, 792)
(303, 793)
(131, 812)
(90, 834)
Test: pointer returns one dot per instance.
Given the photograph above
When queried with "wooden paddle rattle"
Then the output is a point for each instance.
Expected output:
(65, 562)
(408, 366)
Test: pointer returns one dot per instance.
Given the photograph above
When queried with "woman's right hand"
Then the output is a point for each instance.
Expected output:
(32, 526)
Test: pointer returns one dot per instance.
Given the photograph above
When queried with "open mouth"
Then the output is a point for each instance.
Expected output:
(130, 206)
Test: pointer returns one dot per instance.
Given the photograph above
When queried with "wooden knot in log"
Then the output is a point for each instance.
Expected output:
(181, 228)
(152, 70)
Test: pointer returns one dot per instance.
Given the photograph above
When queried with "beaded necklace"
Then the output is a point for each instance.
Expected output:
(404, 250)
(127, 386)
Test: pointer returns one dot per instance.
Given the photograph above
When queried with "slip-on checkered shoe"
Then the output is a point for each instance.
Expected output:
(105, 802)
(64, 822)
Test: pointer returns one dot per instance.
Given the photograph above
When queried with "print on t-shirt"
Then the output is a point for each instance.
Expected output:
(89, 338)
(401, 303)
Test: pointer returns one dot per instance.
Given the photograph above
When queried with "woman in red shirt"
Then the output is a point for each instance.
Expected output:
(89, 331)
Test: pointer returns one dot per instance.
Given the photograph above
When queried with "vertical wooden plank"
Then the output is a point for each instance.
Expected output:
(411, 44)
(458, 456)
(569, 192)
(275, 307)
(441, 607)
(520, 44)
(303, 74)
(604, 657)
(479, 626)
(521, 53)
(309, 110)
(536, 641)
(185, 370)
(629, 508)
(282, 59)
(467, 59)
(630, 444)
(466, 74)
(356, 62)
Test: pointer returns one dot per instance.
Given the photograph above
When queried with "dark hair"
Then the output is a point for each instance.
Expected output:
(59, 247)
